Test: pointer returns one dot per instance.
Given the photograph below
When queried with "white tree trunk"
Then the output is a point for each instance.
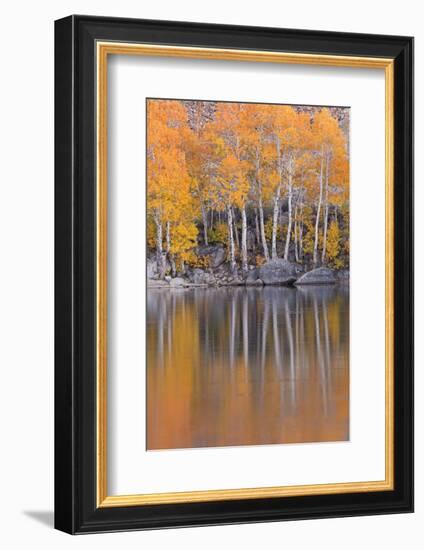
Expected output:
(262, 230)
(257, 232)
(276, 202)
(315, 258)
(296, 231)
(159, 250)
(324, 237)
(261, 210)
(235, 229)
(301, 233)
(231, 248)
(324, 240)
(205, 224)
(290, 208)
(275, 222)
(243, 239)
(168, 249)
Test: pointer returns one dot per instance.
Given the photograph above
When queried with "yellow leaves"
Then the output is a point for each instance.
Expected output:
(293, 130)
(167, 171)
(325, 124)
(151, 232)
(219, 234)
(308, 230)
(268, 230)
(183, 239)
(242, 155)
(336, 246)
(202, 262)
(339, 177)
(328, 135)
(333, 242)
(273, 180)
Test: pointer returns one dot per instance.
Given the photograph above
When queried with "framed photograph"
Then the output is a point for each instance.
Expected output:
(234, 274)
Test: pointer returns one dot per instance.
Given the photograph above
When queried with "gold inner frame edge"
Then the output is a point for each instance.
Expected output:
(103, 49)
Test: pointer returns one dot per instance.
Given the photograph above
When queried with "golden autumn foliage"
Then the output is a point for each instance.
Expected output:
(333, 243)
(218, 235)
(264, 180)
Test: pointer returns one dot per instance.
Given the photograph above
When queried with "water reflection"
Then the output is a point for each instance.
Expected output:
(247, 366)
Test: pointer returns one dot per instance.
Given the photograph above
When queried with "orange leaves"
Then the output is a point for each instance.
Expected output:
(333, 243)
(183, 239)
(241, 146)
(167, 169)
(227, 138)
(169, 184)
(205, 157)
(326, 129)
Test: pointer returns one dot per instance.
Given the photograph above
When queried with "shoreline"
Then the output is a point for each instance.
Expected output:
(164, 285)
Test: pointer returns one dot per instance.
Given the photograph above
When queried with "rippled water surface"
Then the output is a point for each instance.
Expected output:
(247, 366)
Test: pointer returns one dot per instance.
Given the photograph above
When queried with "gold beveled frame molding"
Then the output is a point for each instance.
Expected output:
(119, 48)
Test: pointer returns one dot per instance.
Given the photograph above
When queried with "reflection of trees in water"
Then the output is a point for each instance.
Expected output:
(244, 366)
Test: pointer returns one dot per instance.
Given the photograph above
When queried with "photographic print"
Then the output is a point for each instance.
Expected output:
(247, 274)
(233, 288)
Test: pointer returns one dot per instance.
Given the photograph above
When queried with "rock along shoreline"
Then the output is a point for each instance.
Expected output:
(278, 272)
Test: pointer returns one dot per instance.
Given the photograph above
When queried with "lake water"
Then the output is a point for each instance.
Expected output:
(247, 366)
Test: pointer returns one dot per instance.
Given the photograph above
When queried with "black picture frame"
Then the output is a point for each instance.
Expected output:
(75, 275)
